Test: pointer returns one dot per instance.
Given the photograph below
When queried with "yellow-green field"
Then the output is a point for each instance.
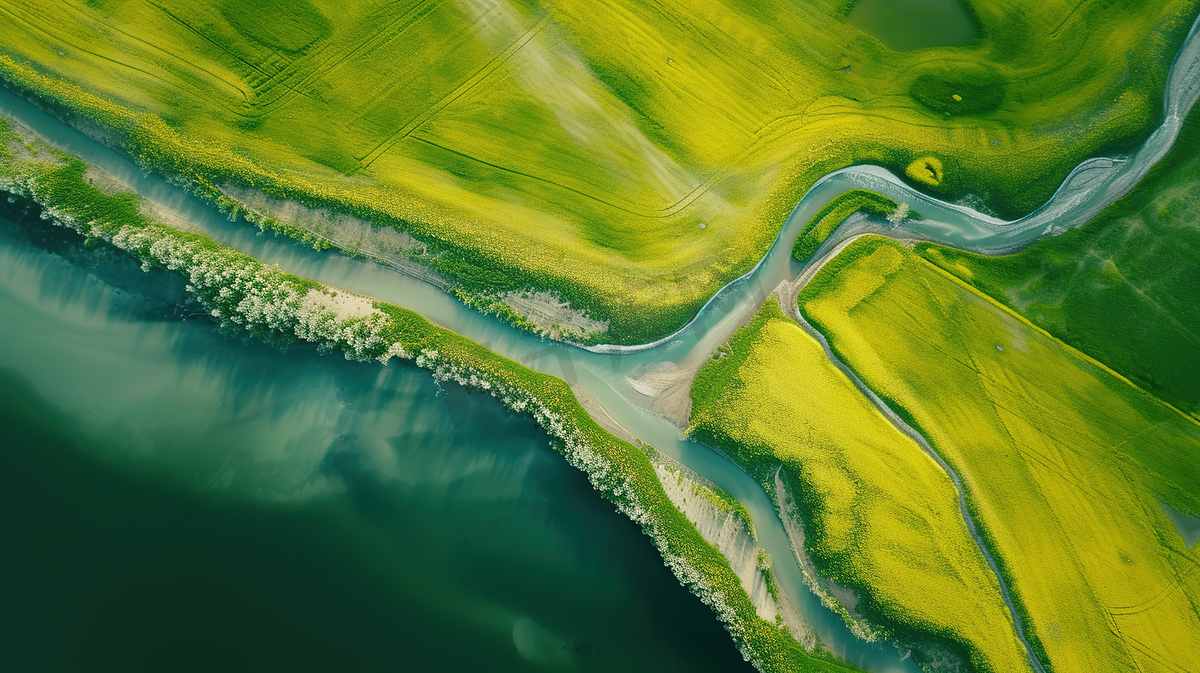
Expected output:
(578, 146)
(881, 517)
(1064, 462)
(1140, 257)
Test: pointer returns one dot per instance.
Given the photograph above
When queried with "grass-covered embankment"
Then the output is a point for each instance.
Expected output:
(880, 516)
(829, 218)
(578, 147)
(1122, 287)
(1063, 462)
(243, 293)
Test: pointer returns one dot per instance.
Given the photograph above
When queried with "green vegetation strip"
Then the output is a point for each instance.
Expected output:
(880, 517)
(243, 293)
(1063, 462)
(829, 218)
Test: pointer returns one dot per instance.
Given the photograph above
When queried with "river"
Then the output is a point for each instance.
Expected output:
(605, 371)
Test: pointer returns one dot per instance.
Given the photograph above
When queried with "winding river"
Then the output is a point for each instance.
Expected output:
(610, 373)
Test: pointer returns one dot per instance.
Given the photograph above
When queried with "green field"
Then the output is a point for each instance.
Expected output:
(880, 516)
(1064, 462)
(1121, 288)
(579, 146)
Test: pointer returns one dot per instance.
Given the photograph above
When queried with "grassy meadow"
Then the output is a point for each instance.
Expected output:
(578, 147)
(880, 516)
(1121, 288)
(1064, 462)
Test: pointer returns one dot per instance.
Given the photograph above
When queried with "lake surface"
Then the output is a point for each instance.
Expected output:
(172, 498)
(906, 25)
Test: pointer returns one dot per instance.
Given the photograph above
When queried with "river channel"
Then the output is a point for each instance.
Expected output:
(606, 371)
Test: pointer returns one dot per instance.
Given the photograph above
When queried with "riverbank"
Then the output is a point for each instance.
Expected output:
(880, 519)
(583, 370)
(244, 294)
(271, 509)
(549, 349)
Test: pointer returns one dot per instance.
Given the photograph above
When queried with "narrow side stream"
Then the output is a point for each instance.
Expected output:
(793, 312)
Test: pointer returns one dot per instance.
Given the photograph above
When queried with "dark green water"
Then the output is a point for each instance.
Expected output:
(175, 499)
(906, 25)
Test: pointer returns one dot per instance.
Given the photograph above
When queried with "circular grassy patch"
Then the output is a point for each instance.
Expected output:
(284, 25)
(959, 93)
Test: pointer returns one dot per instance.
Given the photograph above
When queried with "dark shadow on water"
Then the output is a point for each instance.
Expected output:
(111, 571)
(422, 557)
(154, 295)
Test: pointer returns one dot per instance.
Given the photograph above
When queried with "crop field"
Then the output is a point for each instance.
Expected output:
(880, 516)
(578, 147)
(1064, 462)
(1121, 288)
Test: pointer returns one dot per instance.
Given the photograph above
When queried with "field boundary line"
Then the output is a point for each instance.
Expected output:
(1148, 653)
(206, 38)
(479, 75)
(334, 61)
(82, 50)
(1009, 594)
(1068, 347)
(178, 59)
(1162, 595)
(530, 176)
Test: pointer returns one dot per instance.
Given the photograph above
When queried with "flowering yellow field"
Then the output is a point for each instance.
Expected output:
(880, 516)
(1065, 463)
(579, 146)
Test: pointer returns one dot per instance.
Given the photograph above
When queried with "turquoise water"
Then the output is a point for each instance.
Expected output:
(906, 25)
(172, 498)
